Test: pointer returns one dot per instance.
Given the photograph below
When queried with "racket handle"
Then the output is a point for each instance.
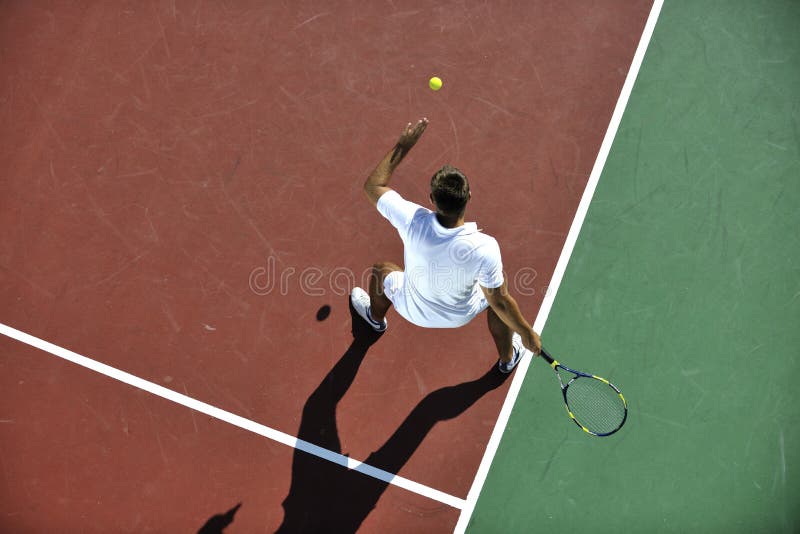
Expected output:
(544, 354)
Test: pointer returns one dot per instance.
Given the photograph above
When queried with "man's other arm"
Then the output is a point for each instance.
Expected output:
(507, 309)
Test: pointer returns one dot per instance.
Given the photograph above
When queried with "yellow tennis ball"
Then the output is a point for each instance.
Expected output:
(435, 83)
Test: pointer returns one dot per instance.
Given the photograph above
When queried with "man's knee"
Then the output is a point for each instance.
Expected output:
(383, 268)
(380, 271)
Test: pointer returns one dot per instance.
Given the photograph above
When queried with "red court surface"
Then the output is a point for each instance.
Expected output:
(165, 163)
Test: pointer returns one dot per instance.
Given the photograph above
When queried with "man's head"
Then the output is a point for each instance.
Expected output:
(450, 191)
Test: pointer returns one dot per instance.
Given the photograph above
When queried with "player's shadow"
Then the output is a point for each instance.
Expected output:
(326, 497)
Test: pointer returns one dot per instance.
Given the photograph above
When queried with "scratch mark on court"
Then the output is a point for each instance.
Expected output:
(153, 232)
(775, 478)
(158, 440)
(228, 177)
(795, 133)
(208, 327)
(638, 202)
(67, 485)
(783, 458)
(103, 167)
(6, 421)
(686, 160)
(639, 311)
(435, 162)
(98, 212)
(455, 134)
(148, 94)
(751, 351)
(170, 317)
(191, 412)
(154, 170)
(420, 384)
(553, 454)
(293, 98)
(6, 478)
(164, 36)
(636, 168)
(779, 147)
(404, 14)
(243, 216)
(242, 357)
(495, 106)
(262, 322)
(189, 215)
(125, 426)
(536, 73)
(227, 111)
(699, 401)
(31, 283)
(53, 173)
(315, 17)
(663, 420)
(111, 276)
(48, 122)
(469, 24)
(96, 414)
(141, 57)
(385, 392)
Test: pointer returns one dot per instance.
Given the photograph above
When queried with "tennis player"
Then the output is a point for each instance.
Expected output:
(453, 271)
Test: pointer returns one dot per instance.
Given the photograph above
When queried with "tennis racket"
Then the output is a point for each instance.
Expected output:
(595, 404)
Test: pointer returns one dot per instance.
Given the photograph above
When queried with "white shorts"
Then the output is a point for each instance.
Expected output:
(422, 313)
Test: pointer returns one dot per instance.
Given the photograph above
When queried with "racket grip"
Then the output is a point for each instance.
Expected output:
(544, 354)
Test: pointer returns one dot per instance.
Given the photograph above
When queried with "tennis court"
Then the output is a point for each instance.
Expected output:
(183, 219)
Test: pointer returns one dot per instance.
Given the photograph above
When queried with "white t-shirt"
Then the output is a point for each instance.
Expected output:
(443, 266)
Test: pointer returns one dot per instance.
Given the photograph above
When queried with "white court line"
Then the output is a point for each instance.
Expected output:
(233, 419)
(561, 267)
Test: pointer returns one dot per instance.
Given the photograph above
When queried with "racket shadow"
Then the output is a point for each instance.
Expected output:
(217, 523)
(325, 497)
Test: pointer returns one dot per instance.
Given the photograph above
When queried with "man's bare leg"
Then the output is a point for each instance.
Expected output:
(501, 334)
(379, 302)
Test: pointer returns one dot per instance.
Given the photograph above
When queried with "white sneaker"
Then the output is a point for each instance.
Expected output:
(360, 301)
(519, 352)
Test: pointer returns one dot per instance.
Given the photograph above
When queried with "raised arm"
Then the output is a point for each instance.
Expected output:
(507, 309)
(378, 181)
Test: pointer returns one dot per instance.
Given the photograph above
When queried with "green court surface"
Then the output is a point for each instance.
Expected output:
(684, 289)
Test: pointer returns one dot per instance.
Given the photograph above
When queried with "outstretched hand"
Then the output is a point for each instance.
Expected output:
(412, 133)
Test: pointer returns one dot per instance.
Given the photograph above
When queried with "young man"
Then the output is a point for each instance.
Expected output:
(452, 271)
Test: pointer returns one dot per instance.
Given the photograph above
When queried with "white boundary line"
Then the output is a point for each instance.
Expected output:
(233, 419)
(561, 267)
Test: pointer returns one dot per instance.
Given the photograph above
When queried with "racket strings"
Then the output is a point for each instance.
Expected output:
(595, 405)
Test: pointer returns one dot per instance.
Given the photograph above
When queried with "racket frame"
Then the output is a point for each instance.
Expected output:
(578, 374)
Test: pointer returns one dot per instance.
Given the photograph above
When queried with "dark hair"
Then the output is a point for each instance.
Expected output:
(450, 190)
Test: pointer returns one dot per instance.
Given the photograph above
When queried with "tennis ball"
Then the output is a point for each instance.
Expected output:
(435, 83)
